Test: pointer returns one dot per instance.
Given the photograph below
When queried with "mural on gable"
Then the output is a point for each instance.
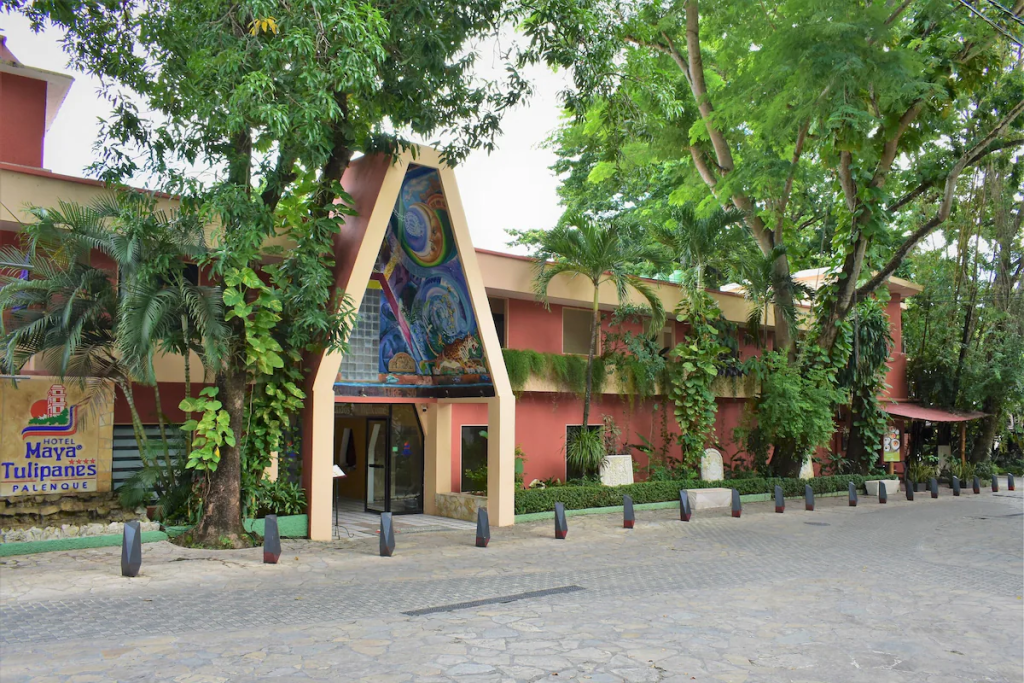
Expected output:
(428, 331)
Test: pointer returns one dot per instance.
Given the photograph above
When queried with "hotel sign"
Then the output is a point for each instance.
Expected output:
(51, 441)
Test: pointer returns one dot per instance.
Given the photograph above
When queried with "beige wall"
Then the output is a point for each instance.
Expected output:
(512, 277)
(23, 188)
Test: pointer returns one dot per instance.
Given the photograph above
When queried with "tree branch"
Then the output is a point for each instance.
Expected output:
(931, 182)
(947, 202)
(678, 58)
(891, 146)
(279, 180)
(797, 150)
(700, 88)
(337, 162)
(898, 11)
(702, 167)
(846, 181)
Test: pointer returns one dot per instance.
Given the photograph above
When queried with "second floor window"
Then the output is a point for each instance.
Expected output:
(576, 331)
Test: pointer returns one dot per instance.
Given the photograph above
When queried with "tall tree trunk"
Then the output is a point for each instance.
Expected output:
(989, 427)
(222, 504)
(785, 339)
(168, 469)
(595, 325)
(855, 448)
(786, 462)
(188, 378)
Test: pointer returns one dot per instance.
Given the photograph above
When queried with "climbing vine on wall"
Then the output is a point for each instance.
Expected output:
(568, 372)
(696, 367)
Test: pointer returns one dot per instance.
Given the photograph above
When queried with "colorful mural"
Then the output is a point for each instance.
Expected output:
(428, 332)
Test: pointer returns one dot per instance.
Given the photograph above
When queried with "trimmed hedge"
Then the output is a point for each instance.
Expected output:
(581, 497)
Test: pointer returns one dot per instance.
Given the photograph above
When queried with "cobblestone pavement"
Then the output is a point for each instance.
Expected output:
(923, 591)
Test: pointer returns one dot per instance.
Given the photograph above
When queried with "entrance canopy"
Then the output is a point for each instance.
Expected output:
(913, 411)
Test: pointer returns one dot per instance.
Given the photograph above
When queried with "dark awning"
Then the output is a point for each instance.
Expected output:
(915, 412)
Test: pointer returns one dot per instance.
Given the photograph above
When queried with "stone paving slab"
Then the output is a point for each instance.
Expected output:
(924, 591)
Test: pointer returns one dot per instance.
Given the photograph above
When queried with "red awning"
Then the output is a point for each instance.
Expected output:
(916, 412)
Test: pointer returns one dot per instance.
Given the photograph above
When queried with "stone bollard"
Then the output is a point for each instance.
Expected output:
(483, 528)
(1010, 483)
(561, 527)
(628, 517)
(684, 506)
(271, 540)
(883, 495)
(976, 485)
(956, 485)
(737, 504)
(780, 500)
(933, 486)
(910, 485)
(387, 535)
(995, 484)
(853, 495)
(808, 498)
(131, 549)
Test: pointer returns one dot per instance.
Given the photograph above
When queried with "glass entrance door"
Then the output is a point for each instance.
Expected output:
(376, 464)
(405, 485)
(394, 462)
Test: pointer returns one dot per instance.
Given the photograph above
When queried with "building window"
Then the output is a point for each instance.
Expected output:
(362, 360)
(668, 338)
(474, 458)
(572, 472)
(576, 331)
(499, 312)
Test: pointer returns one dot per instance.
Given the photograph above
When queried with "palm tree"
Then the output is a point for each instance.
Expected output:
(578, 247)
(700, 244)
(761, 287)
(95, 324)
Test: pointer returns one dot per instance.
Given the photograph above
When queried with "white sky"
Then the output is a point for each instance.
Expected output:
(511, 188)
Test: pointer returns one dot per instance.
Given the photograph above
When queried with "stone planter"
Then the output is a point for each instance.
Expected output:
(617, 470)
(707, 499)
(892, 486)
(459, 505)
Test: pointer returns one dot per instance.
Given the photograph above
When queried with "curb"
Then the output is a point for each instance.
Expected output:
(53, 545)
(748, 498)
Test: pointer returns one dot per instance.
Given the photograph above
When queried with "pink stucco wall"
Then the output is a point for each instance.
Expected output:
(541, 420)
(896, 376)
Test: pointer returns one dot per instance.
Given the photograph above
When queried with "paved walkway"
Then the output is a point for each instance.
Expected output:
(923, 591)
(352, 521)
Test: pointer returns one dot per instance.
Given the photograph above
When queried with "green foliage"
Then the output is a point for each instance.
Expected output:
(965, 471)
(834, 125)
(211, 431)
(276, 498)
(477, 479)
(84, 324)
(921, 472)
(218, 85)
(694, 370)
(568, 372)
(636, 359)
(581, 497)
(864, 376)
(585, 451)
(579, 247)
(794, 410)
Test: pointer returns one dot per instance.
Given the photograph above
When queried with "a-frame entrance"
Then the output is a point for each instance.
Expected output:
(424, 336)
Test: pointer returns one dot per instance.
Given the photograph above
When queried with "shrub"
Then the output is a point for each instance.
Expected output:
(277, 498)
(581, 497)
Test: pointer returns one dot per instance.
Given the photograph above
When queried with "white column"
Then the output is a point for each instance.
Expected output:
(501, 461)
(437, 454)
